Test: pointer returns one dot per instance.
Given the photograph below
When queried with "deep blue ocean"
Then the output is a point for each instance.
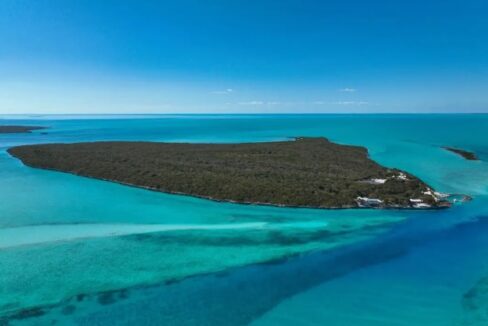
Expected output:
(81, 251)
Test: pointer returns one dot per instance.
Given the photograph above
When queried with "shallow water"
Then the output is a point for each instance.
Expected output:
(67, 243)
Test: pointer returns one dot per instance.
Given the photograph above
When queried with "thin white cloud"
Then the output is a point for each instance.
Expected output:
(223, 92)
(279, 103)
(350, 103)
(347, 90)
(269, 103)
(251, 103)
(306, 103)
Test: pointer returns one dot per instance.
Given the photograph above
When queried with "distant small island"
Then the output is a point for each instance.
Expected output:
(306, 172)
(18, 129)
(461, 152)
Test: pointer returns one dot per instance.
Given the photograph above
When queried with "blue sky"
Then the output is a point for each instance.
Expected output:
(63, 56)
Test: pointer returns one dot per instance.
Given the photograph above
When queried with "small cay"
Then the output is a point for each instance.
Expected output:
(461, 152)
(306, 172)
(18, 129)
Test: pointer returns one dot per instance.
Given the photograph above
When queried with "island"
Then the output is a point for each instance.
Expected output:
(304, 172)
(470, 156)
(18, 129)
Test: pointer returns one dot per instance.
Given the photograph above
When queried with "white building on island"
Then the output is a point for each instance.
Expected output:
(368, 202)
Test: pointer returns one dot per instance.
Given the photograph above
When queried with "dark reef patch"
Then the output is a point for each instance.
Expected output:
(110, 297)
(475, 303)
(106, 298)
(80, 297)
(254, 238)
(28, 313)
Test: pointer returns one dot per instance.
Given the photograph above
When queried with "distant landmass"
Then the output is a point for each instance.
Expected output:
(306, 172)
(18, 129)
(461, 152)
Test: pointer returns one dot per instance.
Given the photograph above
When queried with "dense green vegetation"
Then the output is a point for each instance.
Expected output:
(310, 172)
(18, 129)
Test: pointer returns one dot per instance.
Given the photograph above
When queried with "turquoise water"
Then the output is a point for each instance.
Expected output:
(88, 252)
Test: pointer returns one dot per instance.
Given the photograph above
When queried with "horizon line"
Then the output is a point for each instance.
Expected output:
(246, 113)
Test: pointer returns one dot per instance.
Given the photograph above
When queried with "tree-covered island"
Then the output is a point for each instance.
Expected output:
(306, 172)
